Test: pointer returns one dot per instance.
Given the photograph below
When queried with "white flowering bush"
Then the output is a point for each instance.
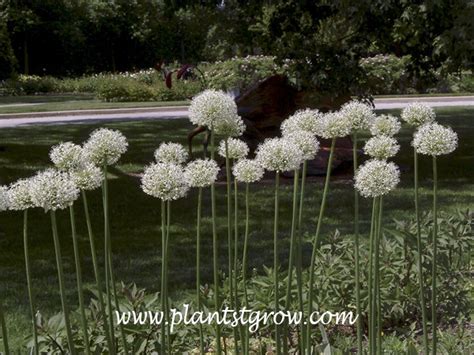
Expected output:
(435, 139)
(165, 181)
(236, 149)
(376, 178)
(105, 146)
(279, 154)
(418, 114)
(201, 172)
(246, 170)
(381, 147)
(359, 114)
(173, 153)
(385, 125)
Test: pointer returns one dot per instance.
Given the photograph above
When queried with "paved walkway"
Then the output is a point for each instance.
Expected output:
(13, 120)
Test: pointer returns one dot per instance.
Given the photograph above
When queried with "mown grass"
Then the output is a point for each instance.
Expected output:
(136, 216)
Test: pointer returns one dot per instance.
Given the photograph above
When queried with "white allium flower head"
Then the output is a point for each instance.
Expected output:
(306, 142)
(246, 170)
(173, 153)
(211, 106)
(105, 146)
(359, 114)
(19, 195)
(236, 148)
(279, 154)
(333, 125)
(381, 147)
(67, 156)
(4, 202)
(385, 125)
(435, 139)
(201, 172)
(165, 181)
(302, 120)
(376, 178)
(229, 126)
(53, 190)
(418, 114)
(87, 177)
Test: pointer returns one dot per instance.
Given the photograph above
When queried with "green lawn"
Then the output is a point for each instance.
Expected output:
(46, 103)
(136, 216)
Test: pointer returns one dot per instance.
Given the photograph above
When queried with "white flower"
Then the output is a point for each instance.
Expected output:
(171, 153)
(381, 147)
(236, 149)
(307, 143)
(333, 125)
(246, 170)
(165, 181)
(19, 195)
(360, 115)
(53, 190)
(279, 154)
(376, 178)
(417, 114)
(105, 146)
(229, 126)
(87, 177)
(435, 139)
(67, 156)
(211, 106)
(385, 125)
(201, 172)
(303, 120)
(4, 202)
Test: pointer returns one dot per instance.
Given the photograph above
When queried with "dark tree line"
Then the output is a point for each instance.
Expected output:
(324, 39)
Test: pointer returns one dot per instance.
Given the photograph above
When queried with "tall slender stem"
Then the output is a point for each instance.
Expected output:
(299, 257)
(236, 240)
(97, 273)
(303, 183)
(420, 256)
(435, 261)
(373, 228)
(62, 289)
(80, 289)
(198, 266)
(168, 221)
(3, 324)
(28, 280)
(316, 242)
(244, 261)
(163, 274)
(378, 312)
(356, 247)
(215, 252)
(275, 258)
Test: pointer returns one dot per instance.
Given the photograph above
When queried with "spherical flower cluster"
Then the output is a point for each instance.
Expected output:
(165, 181)
(87, 177)
(229, 126)
(333, 125)
(418, 114)
(303, 120)
(360, 115)
(306, 142)
(171, 153)
(385, 125)
(53, 190)
(236, 149)
(201, 172)
(4, 202)
(211, 106)
(246, 170)
(67, 156)
(376, 178)
(435, 139)
(105, 146)
(279, 154)
(19, 195)
(381, 147)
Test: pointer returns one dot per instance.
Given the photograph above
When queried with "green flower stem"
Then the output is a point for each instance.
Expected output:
(3, 324)
(356, 252)
(303, 183)
(244, 261)
(316, 242)
(299, 256)
(215, 251)
(198, 266)
(373, 229)
(163, 274)
(28, 280)
(97, 273)
(435, 261)
(168, 221)
(275, 258)
(80, 289)
(62, 289)
(420, 256)
(378, 312)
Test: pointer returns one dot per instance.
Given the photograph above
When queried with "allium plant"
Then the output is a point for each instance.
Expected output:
(381, 147)
(359, 114)
(19, 196)
(385, 125)
(173, 153)
(3, 207)
(200, 173)
(303, 120)
(418, 114)
(53, 190)
(236, 149)
(433, 139)
(211, 106)
(67, 156)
